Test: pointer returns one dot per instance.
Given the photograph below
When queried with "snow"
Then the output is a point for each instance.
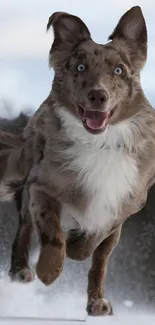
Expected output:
(62, 300)
(128, 303)
(34, 300)
(114, 320)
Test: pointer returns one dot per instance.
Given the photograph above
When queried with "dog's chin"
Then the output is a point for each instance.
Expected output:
(95, 122)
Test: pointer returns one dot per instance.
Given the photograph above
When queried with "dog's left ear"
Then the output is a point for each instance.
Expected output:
(132, 29)
(69, 31)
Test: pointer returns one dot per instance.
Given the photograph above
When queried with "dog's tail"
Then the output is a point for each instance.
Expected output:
(11, 131)
(15, 164)
(15, 160)
(9, 140)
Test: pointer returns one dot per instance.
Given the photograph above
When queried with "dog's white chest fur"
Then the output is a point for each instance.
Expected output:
(107, 174)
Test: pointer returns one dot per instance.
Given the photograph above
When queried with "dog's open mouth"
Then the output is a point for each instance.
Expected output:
(94, 121)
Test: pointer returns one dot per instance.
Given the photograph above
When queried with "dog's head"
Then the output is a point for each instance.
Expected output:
(97, 82)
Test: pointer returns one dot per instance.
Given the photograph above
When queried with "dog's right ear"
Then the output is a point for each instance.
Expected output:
(69, 31)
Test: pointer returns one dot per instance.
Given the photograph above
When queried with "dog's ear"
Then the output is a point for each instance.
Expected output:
(69, 31)
(132, 29)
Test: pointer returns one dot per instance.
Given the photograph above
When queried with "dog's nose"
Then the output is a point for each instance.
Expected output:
(97, 96)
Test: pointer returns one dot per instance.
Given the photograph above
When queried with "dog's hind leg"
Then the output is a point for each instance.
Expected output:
(97, 305)
(79, 246)
(20, 270)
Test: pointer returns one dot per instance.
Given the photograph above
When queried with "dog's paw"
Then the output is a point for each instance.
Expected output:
(99, 307)
(25, 275)
(50, 264)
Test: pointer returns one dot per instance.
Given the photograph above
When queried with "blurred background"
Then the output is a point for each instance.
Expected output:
(25, 81)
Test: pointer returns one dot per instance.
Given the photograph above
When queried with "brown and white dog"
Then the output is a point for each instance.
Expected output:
(88, 153)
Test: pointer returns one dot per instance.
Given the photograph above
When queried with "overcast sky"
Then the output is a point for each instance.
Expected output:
(25, 78)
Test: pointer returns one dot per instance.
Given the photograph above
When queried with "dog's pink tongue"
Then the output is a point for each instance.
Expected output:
(96, 124)
(95, 119)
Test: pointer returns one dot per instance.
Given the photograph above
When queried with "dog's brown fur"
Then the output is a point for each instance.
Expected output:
(53, 177)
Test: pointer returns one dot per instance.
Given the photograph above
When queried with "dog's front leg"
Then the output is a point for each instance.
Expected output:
(46, 212)
(97, 305)
(20, 269)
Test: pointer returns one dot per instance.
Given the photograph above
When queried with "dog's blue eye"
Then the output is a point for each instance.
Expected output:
(81, 67)
(118, 70)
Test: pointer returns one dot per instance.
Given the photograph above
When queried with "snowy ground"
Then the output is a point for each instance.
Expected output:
(119, 320)
(130, 282)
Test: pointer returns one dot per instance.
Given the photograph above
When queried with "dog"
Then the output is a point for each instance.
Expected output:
(87, 156)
